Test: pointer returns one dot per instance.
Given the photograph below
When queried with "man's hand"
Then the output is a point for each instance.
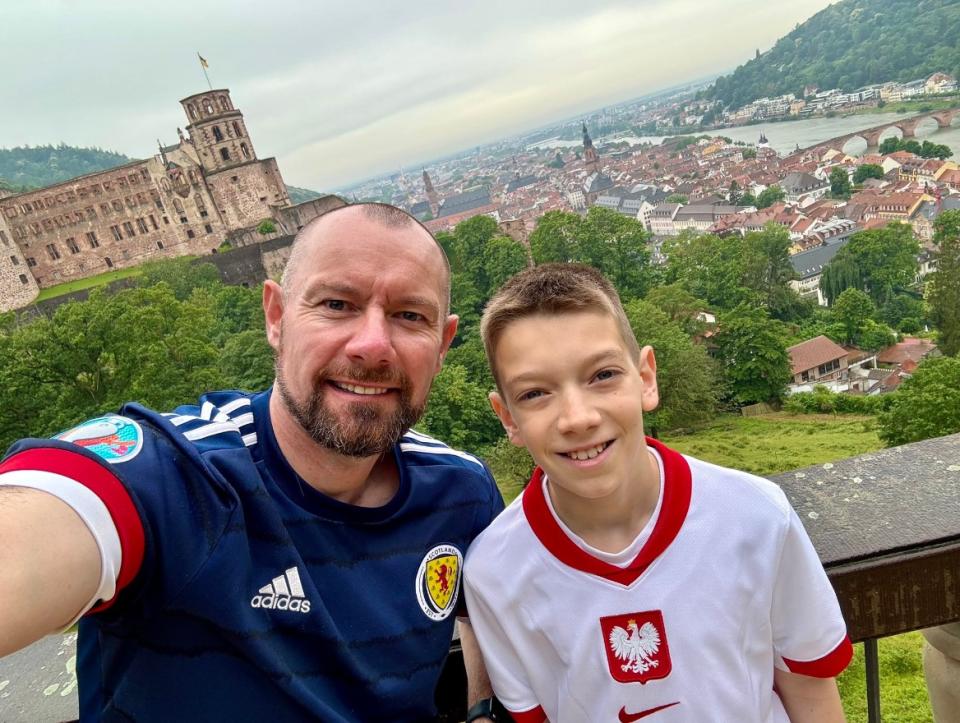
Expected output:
(807, 699)
(50, 563)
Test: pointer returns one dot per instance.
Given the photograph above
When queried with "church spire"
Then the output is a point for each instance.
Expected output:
(590, 158)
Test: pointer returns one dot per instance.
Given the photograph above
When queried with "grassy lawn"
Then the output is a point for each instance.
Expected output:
(87, 283)
(781, 442)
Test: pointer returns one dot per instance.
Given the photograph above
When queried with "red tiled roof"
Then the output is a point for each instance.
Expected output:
(910, 348)
(814, 352)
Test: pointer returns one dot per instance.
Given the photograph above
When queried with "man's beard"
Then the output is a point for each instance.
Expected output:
(361, 430)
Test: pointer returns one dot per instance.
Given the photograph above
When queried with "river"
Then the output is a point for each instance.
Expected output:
(784, 137)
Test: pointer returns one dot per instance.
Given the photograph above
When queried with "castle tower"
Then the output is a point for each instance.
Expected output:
(590, 158)
(245, 189)
(431, 193)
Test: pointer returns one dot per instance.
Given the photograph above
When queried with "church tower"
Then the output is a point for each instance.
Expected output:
(431, 193)
(590, 158)
(246, 189)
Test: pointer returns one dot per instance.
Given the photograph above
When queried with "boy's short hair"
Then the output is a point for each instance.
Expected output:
(552, 289)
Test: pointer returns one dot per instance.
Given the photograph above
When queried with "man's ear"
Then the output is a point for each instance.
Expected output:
(506, 419)
(647, 365)
(272, 311)
(448, 332)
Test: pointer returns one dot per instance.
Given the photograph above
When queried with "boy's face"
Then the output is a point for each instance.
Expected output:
(574, 397)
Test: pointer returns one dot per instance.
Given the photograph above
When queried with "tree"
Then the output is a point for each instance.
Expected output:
(944, 287)
(182, 275)
(555, 237)
(267, 227)
(926, 405)
(458, 411)
(768, 271)
(770, 196)
(247, 361)
(880, 262)
(680, 306)
(753, 355)
(840, 183)
(617, 246)
(734, 194)
(868, 170)
(675, 198)
(686, 375)
(852, 309)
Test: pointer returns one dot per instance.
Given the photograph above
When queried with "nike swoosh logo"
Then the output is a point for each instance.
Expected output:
(630, 717)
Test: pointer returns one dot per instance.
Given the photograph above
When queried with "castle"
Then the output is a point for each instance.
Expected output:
(188, 199)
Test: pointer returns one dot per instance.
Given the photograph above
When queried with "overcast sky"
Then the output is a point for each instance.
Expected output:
(339, 91)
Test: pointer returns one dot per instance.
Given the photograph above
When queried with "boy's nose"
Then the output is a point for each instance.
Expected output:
(577, 414)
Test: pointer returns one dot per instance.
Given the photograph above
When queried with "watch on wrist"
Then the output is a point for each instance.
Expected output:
(488, 708)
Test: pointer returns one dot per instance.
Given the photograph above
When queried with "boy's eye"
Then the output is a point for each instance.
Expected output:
(605, 374)
(528, 395)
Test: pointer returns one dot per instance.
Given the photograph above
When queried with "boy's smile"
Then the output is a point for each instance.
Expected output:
(574, 396)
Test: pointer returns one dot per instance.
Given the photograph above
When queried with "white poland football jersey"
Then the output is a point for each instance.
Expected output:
(725, 586)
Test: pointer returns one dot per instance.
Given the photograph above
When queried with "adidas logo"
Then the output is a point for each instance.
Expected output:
(284, 592)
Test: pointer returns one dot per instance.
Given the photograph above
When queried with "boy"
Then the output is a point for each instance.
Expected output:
(629, 580)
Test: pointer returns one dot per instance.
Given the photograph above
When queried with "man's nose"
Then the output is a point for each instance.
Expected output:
(371, 343)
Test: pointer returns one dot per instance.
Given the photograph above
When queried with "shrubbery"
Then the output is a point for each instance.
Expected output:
(822, 401)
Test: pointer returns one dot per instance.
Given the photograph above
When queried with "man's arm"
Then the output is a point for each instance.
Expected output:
(50, 563)
(478, 682)
(808, 699)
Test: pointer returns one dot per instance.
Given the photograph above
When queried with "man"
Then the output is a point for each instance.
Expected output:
(289, 555)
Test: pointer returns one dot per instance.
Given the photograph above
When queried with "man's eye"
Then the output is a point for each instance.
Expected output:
(335, 304)
(411, 316)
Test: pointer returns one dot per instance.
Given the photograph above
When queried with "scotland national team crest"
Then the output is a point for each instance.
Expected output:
(438, 581)
(114, 438)
(636, 645)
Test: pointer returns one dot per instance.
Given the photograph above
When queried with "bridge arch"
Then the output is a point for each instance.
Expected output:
(855, 145)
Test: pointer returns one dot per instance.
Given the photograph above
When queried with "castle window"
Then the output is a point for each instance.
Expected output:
(207, 106)
(105, 207)
(166, 220)
(122, 182)
(107, 186)
(14, 260)
(3, 237)
(53, 252)
(23, 278)
(159, 244)
(236, 128)
(117, 236)
(224, 103)
(31, 262)
(153, 222)
(108, 261)
(192, 111)
(144, 174)
(208, 228)
(134, 179)
(183, 219)
(190, 233)
(217, 134)
(117, 205)
(91, 213)
(225, 154)
(92, 239)
(72, 245)
(142, 225)
(246, 151)
(128, 227)
(178, 207)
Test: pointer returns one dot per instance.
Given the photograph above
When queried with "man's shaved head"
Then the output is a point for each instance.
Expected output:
(387, 216)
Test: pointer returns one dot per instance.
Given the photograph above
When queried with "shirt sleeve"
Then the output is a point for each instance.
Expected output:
(504, 666)
(809, 634)
(98, 497)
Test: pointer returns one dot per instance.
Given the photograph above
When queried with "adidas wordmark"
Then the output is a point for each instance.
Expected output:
(284, 592)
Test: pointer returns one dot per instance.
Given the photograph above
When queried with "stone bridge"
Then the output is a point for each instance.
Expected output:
(907, 126)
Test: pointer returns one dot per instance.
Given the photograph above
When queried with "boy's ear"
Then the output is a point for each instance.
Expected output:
(647, 365)
(506, 419)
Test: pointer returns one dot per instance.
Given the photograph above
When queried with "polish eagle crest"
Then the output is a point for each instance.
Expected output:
(636, 646)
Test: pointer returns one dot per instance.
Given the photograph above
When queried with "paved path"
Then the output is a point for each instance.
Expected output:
(39, 684)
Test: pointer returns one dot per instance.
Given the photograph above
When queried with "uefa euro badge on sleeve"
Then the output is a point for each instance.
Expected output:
(636, 646)
(438, 581)
(114, 438)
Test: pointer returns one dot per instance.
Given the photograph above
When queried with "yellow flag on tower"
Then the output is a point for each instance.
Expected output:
(203, 61)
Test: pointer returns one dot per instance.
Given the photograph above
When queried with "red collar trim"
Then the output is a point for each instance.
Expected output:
(677, 488)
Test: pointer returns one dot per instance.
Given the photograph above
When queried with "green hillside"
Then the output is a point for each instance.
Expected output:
(38, 166)
(301, 195)
(848, 45)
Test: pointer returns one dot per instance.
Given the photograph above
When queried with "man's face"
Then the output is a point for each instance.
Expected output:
(574, 396)
(362, 333)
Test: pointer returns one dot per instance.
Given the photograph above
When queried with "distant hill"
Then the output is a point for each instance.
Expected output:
(848, 45)
(300, 195)
(39, 166)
